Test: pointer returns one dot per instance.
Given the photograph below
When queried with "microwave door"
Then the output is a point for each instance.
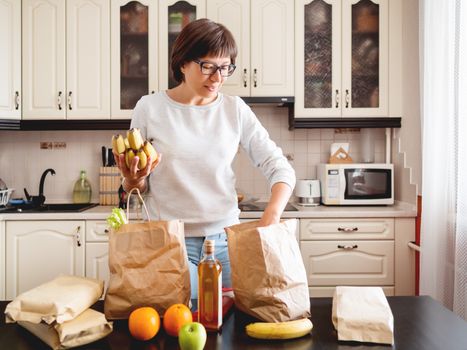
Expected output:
(364, 184)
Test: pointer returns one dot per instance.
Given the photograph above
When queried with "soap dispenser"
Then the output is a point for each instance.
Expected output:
(82, 189)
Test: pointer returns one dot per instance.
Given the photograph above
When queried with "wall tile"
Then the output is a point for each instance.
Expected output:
(308, 147)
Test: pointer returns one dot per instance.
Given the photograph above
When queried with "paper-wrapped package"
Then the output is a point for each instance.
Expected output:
(86, 328)
(60, 300)
(268, 274)
(362, 314)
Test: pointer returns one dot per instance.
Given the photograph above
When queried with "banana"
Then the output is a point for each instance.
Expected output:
(134, 138)
(143, 159)
(118, 144)
(127, 144)
(129, 155)
(149, 150)
(279, 330)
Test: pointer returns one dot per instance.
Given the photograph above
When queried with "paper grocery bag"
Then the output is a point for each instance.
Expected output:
(60, 300)
(148, 267)
(268, 276)
(86, 328)
(362, 314)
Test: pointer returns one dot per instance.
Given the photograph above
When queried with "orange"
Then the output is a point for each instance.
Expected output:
(175, 317)
(144, 323)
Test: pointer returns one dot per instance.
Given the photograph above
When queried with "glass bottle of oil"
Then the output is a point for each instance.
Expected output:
(210, 289)
(82, 189)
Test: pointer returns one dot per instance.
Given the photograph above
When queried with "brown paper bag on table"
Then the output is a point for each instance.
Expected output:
(268, 276)
(148, 266)
(362, 314)
(86, 328)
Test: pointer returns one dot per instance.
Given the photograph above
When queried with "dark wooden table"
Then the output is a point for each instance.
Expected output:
(420, 323)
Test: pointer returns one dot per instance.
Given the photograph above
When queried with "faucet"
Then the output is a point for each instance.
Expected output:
(40, 198)
(41, 183)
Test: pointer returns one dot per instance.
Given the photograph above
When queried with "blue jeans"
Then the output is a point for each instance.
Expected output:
(194, 247)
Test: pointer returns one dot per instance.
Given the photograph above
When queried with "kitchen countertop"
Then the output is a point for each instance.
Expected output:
(420, 323)
(400, 209)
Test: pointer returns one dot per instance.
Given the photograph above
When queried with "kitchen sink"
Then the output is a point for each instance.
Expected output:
(49, 208)
(66, 207)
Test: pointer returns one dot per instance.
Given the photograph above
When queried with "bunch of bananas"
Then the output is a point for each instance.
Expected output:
(279, 330)
(134, 145)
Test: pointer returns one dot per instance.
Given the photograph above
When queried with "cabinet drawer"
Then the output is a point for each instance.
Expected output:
(325, 229)
(348, 262)
(328, 291)
(97, 231)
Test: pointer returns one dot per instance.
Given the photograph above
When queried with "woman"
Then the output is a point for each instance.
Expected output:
(197, 131)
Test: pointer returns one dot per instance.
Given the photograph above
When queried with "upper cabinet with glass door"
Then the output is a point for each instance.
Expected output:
(341, 60)
(173, 17)
(134, 53)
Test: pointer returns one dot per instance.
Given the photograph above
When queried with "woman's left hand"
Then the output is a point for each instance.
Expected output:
(269, 218)
(280, 194)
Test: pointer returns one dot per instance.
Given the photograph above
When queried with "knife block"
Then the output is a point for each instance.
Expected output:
(110, 180)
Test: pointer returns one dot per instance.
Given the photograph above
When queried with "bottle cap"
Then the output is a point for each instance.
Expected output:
(209, 246)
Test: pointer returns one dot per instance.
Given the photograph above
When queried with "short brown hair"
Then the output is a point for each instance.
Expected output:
(201, 38)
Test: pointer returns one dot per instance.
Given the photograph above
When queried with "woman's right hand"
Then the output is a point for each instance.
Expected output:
(134, 177)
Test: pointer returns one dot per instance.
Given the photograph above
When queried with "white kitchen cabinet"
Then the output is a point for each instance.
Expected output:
(66, 59)
(263, 30)
(97, 251)
(2, 258)
(97, 262)
(38, 251)
(10, 59)
(341, 58)
(360, 252)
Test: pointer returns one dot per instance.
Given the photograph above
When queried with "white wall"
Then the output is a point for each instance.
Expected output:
(22, 161)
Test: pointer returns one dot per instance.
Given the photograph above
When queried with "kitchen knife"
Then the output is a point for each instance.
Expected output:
(110, 157)
(104, 156)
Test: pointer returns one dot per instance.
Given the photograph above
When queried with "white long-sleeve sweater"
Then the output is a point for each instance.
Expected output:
(194, 181)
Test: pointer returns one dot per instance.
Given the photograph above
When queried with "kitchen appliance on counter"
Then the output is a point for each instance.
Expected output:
(356, 184)
(308, 192)
(260, 206)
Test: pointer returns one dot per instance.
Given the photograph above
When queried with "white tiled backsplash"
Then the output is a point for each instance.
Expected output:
(22, 161)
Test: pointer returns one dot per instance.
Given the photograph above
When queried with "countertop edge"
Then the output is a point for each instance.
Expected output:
(399, 209)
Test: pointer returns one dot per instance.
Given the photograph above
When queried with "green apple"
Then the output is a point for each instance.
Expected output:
(192, 336)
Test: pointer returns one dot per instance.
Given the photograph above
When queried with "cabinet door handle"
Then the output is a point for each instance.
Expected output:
(244, 78)
(347, 98)
(16, 100)
(337, 98)
(347, 229)
(78, 236)
(255, 77)
(69, 101)
(347, 247)
(59, 100)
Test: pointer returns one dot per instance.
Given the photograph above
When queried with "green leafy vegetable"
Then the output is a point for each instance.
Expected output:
(117, 218)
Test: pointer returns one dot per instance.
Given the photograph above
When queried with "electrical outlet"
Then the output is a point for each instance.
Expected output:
(46, 145)
(59, 145)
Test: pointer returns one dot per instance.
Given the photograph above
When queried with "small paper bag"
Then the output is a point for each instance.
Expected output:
(362, 314)
(148, 266)
(61, 299)
(268, 276)
(86, 328)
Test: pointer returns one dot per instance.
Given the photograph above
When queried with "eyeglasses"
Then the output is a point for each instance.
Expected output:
(208, 68)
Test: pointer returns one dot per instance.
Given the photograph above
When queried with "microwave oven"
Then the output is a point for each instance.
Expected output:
(356, 184)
